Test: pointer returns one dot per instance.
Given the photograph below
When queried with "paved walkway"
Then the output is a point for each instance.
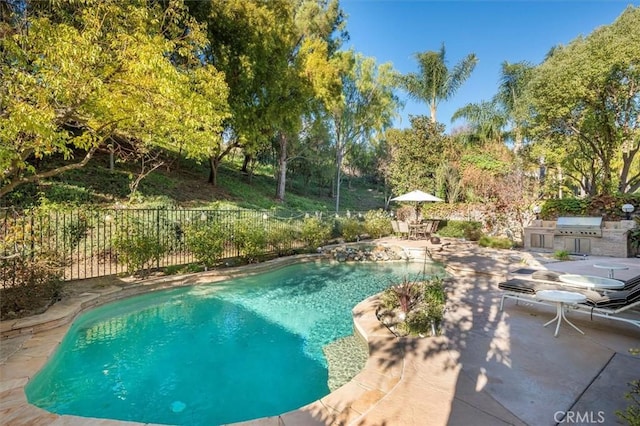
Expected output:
(487, 368)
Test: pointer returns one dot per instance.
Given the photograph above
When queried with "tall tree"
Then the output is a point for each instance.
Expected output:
(126, 69)
(367, 106)
(275, 57)
(246, 42)
(513, 81)
(486, 121)
(314, 66)
(587, 95)
(416, 154)
(435, 81)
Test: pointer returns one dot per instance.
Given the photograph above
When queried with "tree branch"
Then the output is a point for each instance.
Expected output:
(22, 180)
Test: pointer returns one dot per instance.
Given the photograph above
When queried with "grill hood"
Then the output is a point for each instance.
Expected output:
(579, 226)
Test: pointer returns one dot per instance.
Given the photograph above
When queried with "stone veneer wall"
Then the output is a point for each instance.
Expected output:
(614, 241)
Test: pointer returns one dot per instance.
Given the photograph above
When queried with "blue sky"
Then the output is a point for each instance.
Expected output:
(496, 31)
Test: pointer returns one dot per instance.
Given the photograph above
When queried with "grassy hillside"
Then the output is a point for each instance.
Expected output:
(184, 183)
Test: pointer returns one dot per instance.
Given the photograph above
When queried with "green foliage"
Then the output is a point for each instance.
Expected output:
(416, 154)
(206, 241)
(631, 414)
(495, 242)
(561, 255)
(315, 232)
(609, 207)
(418, 321)
(583, 100)
(88, 74)
(182, 269)
(365, 107)
(422, 303)
(389, 299)
(138, 245)
(377, 224)
(469, 230)
(60, 192)
(486, 162)
(30, 285)
(554, 208)
(281, 238)
(76, 229)
(250, 239)
(634, 236)
(351, 228)
(436, 81)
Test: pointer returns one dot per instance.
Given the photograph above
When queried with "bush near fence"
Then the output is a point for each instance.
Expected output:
(94, 242)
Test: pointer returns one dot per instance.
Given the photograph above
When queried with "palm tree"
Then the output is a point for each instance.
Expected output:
(435, 82)
(486, 119)
(513, 80)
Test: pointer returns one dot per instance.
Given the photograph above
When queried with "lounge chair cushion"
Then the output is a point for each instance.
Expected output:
(546, 275)
(632, 282)
(613, 299)
(525, 286)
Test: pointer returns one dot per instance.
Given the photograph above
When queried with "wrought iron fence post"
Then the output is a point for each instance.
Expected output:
(158, 235)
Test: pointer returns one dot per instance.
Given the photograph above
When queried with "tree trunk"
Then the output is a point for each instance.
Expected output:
(247, 167)
(214, 162)
(282, 168)
(339, 156)
(112, 160)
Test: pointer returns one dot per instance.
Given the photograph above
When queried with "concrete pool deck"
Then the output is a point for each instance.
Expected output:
(487, 367)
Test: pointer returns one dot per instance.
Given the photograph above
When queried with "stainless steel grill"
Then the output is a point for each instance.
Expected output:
(579, 226)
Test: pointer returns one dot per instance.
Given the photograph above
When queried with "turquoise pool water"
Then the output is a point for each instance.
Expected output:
(211, 354)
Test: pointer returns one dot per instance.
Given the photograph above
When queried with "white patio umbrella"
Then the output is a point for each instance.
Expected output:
(417, 197)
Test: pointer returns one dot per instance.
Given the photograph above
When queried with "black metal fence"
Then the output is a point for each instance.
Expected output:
(84, 242)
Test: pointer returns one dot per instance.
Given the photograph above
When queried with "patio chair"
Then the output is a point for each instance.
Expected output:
(631, 282)
(396, 229)
(525, 289)
(613, 304)
(403, 228)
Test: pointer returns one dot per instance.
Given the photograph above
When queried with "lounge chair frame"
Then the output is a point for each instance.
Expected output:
(592, 311)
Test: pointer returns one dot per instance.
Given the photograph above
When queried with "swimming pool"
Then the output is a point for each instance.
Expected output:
(211, 354)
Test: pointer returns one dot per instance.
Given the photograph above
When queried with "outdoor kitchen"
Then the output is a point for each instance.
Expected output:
(580, 236)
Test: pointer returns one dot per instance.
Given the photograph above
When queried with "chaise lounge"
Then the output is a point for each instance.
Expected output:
(614, 305)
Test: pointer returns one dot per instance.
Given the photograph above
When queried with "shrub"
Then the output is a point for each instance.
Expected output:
(561, 255)
(34, 284)
(495, 242)
(206, 242)
(250, 240)
(472, 231)
(407, 294)
(434, 297)
(377, 224)
(418, 321)
(351, 229)
(137, 244)
(422, 302)
(315, 232)
(631, 414)
(281, 238)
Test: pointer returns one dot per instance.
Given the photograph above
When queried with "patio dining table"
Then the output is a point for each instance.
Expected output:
(419, 230)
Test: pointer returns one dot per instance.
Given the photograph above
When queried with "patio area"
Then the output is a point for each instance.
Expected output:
(489, 367)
